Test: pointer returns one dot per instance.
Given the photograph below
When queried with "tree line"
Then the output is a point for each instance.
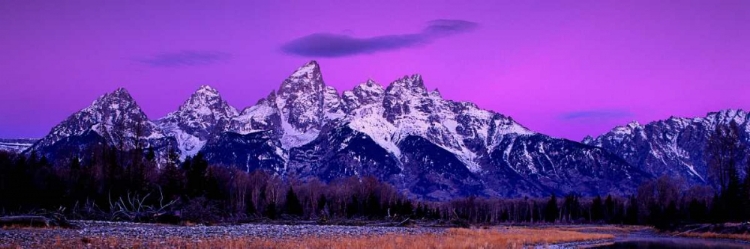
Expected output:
(121, 185)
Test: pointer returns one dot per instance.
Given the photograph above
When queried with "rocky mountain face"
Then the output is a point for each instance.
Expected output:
(427, 146)
(114, 120)
(673, 147)
(202, 117)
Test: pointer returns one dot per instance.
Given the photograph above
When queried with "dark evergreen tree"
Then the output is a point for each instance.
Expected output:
(717, 213)
(352, 208)
(420, 212)
(150, 154)
(697, 211)
(250, 209)
(571, 207)
(732, 198)
(270, 210)
(196, 170)
(322, 203)
(632, 213)
(609, 209)
(551, 210)
(172, 182)
(292, 205)
(597, 209)
(372, 206)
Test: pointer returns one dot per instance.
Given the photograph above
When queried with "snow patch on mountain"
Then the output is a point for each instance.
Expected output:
(379, 130)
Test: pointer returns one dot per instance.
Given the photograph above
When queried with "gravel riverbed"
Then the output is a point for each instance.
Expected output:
(29, 237)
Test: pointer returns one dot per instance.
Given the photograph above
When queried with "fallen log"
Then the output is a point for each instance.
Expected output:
(26, 220)
(404, 223)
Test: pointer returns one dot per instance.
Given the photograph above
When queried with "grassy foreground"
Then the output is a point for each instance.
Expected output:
(712, 235)
(452, 238)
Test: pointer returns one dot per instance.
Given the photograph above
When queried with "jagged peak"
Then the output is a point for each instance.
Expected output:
(203, 94)
(121, 90)
(307, 78)
(120, 95)
(634, 124)
(627, 129)
(730, 113)
(436, 93)
(412, 82)
(205, 101)
(728, 116)
(588, 139)
(206, 90)
(715, 117)
(308, 69)
(369, 86)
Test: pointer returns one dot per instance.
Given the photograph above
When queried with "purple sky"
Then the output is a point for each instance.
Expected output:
(564, 68)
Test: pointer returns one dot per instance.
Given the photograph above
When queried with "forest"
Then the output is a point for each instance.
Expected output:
(129, 186)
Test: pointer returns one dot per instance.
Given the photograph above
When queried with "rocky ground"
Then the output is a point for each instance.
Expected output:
(88, 230)
(102, 234)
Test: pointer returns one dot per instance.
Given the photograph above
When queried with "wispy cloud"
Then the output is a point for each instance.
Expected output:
(340, 45)
(185, 58)
(595, 114)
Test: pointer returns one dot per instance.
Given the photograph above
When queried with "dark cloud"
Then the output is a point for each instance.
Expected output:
(445, 27)
(185, 58)
(340, 45)
(596, 114)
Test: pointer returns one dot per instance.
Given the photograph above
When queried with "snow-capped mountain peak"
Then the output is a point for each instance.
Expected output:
(674, 146)
(412, 83)
(115, 117)
(365, 94)
(207, 90)
(207, 101)
(306, 78)
(199, 118)
(302, 100)
(626, 129)
(308, 70)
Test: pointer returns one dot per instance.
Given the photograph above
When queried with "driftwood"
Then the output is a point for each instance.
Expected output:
(27, 220)
(404, 223)
(694, 229)
(133, 208)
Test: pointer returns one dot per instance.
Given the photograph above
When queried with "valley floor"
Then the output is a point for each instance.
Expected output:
(97, 234)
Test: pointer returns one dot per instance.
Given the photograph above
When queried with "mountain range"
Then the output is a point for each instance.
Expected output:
(425, 145)
(676, 146)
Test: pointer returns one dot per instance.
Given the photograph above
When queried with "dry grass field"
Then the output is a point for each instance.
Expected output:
(510, 237)
(711, 235)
